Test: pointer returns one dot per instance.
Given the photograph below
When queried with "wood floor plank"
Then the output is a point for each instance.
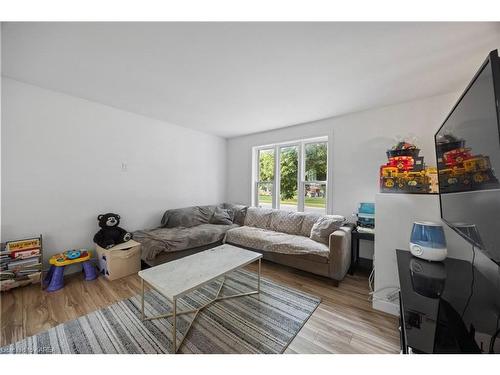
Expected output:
(12, 316)
(36, 316)
(344, 322)
(302, 345)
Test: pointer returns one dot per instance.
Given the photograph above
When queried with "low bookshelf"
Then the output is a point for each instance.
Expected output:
(21, 263)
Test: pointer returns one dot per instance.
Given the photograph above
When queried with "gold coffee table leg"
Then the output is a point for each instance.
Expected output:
(258, 279)
(142, 300)
(174, 329)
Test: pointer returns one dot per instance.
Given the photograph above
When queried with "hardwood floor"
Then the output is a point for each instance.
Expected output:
(344, 322)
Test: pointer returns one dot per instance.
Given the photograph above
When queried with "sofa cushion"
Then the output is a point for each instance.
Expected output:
(158, 240)
(187, 216)
(239, 212)
(258, 217)
(277, 242)
(325, 226)
(221, 216)
(307, 223)
(286, 222)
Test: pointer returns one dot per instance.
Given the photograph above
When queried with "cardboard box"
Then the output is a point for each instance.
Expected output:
(119, 261)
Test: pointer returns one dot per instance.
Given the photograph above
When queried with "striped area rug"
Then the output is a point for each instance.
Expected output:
(250, 324)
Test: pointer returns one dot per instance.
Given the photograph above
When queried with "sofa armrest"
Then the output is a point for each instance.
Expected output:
(340, 252)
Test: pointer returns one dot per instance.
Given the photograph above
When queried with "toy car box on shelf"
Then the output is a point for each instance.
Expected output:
(120, 260)
(405, 171)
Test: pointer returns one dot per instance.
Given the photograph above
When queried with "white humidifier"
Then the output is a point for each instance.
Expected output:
(427, 241)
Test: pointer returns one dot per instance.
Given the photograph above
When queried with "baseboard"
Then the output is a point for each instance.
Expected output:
(386, 306)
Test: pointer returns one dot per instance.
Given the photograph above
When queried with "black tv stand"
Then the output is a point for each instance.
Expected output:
(446, 307)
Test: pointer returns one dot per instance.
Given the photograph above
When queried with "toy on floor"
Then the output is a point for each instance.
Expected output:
(54, 278)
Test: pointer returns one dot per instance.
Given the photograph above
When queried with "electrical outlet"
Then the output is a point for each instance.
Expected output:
(124, 166)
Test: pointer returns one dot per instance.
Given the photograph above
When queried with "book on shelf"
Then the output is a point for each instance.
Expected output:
(12, 283)
(23, 254)
(21, 277)
(26, 273)
(5, 275)
(26, 244)
(22, 263)
(29, 269)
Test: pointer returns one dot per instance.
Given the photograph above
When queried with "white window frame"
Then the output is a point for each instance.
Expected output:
(256, 179)
(301, 182)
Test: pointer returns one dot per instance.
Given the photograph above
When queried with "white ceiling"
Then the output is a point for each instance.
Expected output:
(231, 79)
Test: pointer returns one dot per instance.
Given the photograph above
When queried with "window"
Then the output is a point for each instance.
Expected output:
(265, 180)
(292, 176)
(316, 170)
(288, 175)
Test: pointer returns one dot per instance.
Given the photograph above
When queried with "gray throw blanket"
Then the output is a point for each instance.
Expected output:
(187, 228)
(158, 240)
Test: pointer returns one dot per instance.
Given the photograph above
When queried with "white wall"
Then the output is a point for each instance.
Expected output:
(62, 165)
(358, 145)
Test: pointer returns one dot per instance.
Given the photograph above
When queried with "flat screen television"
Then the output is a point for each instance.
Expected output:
(468, 161)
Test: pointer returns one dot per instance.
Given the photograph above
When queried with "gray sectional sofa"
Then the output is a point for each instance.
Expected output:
(285, 237)
(319, 244)
(186, 231)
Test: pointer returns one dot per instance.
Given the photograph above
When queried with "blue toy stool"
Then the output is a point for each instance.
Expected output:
(54, 278)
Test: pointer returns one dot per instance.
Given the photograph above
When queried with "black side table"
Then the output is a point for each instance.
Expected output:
(355, 237)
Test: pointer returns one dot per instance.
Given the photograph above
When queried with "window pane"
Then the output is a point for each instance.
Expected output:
(265, 196)
(315, 197)
(266, 165)
(289, 169)
(316, 161)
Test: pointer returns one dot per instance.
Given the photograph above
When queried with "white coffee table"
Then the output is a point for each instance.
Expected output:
(179, 277)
